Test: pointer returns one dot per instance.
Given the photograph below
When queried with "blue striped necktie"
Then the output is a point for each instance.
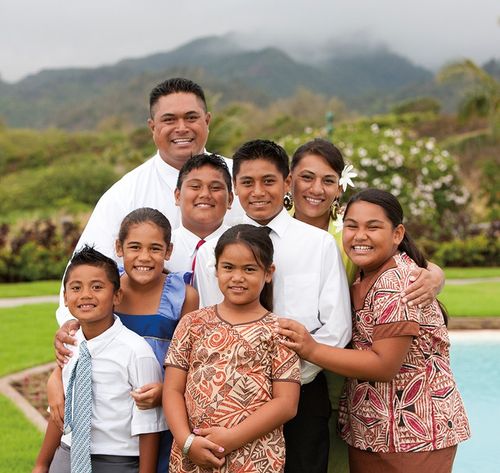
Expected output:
(78, 411)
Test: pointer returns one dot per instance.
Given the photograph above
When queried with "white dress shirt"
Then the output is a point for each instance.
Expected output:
(121, 362)
(309, 284)
(151, 184)
(184, 242)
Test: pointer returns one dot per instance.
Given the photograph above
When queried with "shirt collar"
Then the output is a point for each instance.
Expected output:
(192, 240)
(99, 343)
(278, 224)
(166, 170)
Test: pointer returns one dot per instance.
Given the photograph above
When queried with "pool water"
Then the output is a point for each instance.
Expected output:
(475, 360)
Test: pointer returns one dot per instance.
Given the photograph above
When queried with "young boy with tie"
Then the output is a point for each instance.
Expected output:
(103, 431)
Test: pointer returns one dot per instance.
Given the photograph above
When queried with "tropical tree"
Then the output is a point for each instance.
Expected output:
(483, 92)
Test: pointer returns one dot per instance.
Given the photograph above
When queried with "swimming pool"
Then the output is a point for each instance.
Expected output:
(475, 359)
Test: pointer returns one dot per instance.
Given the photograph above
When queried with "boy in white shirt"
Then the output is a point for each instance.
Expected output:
(204, 194)
(108, 363)
(309, 285)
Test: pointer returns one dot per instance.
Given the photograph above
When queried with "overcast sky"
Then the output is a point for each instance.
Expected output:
(47, 34)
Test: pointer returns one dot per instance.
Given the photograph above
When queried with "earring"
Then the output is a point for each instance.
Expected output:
(288, 201)
(336, 209)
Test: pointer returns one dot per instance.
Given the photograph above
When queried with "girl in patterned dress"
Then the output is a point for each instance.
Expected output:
(400, 410)
(230, 382)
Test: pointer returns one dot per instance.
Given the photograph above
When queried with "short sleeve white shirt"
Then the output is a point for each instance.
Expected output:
(121, 362)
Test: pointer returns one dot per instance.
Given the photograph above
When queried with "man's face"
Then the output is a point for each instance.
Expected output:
(204, 199)
(180, 127)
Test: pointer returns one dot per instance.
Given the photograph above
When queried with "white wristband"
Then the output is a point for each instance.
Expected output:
(187, 444)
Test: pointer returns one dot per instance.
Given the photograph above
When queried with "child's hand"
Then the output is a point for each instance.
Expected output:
(219, 435)
(148, 396)
(65, 335)
(206, 454)
(297, 337)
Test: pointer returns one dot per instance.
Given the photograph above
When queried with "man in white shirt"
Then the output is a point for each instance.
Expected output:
(203, 194)
(179, 124)
(309, 285)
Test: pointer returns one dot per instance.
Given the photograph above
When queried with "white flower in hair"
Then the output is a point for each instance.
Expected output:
(338, 224)
(346, 175)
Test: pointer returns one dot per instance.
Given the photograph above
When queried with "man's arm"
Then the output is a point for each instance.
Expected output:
(334, 305)
(426, 285)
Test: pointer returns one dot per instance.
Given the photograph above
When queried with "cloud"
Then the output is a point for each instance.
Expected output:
(38, 35)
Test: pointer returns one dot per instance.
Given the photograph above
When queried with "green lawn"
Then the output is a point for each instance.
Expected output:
(26, 336)
(472, 300)
(467, 273)
(19, 440)
(26, 289)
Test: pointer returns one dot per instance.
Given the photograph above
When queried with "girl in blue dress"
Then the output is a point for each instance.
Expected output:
(152, 301)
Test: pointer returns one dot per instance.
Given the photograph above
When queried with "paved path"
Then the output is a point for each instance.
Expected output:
(460, 282)
(26, 408)
(17, 301)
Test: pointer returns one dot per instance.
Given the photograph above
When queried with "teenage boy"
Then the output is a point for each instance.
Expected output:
(309, 285)
(203, 194)
(104, 431)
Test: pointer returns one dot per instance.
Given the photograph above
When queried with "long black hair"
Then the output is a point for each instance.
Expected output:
(394, 212)
(259, 243)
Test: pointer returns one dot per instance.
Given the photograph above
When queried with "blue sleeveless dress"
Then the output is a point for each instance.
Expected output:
(158, 329)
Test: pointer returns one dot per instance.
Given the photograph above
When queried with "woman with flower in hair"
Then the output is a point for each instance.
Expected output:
(319, 177)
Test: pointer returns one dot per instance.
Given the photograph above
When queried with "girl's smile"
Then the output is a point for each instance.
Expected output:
(369, 237)
(240, 277)
(144, 252)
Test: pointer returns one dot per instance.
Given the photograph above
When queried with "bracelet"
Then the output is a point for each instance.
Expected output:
(187, 444)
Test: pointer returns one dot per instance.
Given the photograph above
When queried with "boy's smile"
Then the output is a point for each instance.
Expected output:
(260, 187)
(90, 297)
(203, 199)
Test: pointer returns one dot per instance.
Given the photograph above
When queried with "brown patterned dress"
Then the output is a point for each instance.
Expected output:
(230, 371)
(420, 410)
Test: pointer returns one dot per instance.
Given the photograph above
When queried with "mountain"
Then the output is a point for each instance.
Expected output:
(84, 98)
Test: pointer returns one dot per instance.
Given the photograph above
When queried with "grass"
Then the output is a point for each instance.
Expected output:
(26, 289)
(472, 300)
(26, 336)
(467, 273)
(19, 440)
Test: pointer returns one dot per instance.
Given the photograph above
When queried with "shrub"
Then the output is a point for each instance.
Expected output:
(480, 250)
(37, 251)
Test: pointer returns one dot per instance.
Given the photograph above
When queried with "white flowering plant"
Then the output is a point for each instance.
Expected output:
(388, 155)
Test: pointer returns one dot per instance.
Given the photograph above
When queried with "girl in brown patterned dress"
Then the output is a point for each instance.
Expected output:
(401, 410)
(230, 383)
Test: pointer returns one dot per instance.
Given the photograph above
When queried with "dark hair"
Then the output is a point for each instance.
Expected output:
(261, 149)
(144, 215)
(323, 148)
(394, 212)
(199, 160)
(175, 85)
(258, 241)
(91, 257)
